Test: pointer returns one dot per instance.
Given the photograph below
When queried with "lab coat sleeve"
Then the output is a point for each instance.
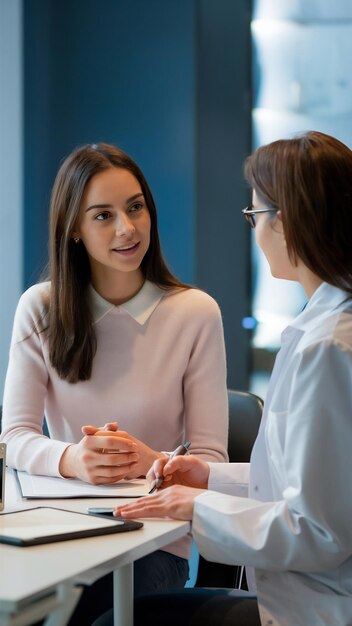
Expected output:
(308, 528)
(232, 479)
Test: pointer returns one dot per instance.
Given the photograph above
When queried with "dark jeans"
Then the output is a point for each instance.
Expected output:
(193, 607)
(156, 572)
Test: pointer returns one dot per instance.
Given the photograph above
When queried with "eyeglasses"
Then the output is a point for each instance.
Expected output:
(249, 213)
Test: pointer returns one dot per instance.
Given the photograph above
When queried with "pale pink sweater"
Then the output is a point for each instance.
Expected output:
(159, 371)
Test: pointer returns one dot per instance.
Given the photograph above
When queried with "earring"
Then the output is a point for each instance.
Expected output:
(76, 239)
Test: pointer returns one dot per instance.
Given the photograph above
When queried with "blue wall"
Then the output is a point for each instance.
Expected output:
(169, 81)
(119, 72)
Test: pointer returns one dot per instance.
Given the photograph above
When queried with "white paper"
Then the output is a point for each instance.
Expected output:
(43, 487)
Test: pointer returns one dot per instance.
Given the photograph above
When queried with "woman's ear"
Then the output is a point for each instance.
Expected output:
(278, 215)
(75, 237)
(280, 225)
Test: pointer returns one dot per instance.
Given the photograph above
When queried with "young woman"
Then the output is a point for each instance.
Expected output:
(113, 337)
(295, 526)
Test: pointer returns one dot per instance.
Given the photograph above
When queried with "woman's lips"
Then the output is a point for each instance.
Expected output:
(128, 249)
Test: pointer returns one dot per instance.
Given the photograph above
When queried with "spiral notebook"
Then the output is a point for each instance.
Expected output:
(31, 527)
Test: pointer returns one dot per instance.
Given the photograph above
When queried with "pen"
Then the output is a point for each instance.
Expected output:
(179, 451)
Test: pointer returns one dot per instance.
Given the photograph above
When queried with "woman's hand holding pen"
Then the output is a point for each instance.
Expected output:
(189, 471)
(177, 501)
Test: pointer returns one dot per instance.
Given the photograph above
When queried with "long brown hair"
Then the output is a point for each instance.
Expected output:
(309, 178)
(71, 336)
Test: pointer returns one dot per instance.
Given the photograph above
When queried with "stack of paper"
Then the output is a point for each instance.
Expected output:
(52, 487)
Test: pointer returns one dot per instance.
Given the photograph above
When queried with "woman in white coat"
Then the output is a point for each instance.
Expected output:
(294, 527)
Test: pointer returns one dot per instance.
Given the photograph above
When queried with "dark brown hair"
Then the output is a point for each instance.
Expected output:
(309, 179)
(72, 341)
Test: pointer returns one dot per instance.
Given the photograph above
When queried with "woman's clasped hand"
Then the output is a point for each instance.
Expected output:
(106, 455)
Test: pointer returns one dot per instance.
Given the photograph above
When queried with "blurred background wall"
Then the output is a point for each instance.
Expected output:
(301, 81)
(11, 171)
(188, 88)
(169, 81)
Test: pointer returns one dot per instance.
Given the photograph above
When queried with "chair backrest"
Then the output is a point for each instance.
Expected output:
(245, 412)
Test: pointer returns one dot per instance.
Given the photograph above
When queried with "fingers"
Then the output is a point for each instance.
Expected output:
(109, 459)
(177, 464)
(107, 465)
(107, 468)
(167, 469)
(105, 478)
(103, 459)
(150, 506)
(176, 502)
(157, 469)
(108, 442)
(113, 426)
(169, 466)
(103, 430)
(103, 440)
(88, 429)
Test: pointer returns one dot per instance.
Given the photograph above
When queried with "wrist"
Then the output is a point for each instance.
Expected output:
(67, 465)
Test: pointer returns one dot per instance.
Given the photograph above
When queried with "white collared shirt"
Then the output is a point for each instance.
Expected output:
(140, 307)
(296, 526)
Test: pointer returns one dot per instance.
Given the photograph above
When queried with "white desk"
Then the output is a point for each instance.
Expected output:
(38, 578)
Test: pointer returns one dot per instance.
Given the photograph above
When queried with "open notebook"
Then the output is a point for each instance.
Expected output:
(52, 487)
(47, 525)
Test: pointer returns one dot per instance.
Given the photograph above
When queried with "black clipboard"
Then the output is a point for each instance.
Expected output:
(39, 525)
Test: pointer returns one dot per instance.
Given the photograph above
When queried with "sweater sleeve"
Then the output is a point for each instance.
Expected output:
(25, 391)
(205, 391)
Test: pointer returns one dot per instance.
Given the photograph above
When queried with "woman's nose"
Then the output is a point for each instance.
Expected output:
(124, 226)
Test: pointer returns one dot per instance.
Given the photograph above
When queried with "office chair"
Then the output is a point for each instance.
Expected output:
(245, 412)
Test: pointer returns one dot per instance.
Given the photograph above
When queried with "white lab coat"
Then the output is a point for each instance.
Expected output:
(295, 527)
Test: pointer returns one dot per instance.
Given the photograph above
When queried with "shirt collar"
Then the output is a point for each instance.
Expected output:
(140, 307)
(325, 299)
